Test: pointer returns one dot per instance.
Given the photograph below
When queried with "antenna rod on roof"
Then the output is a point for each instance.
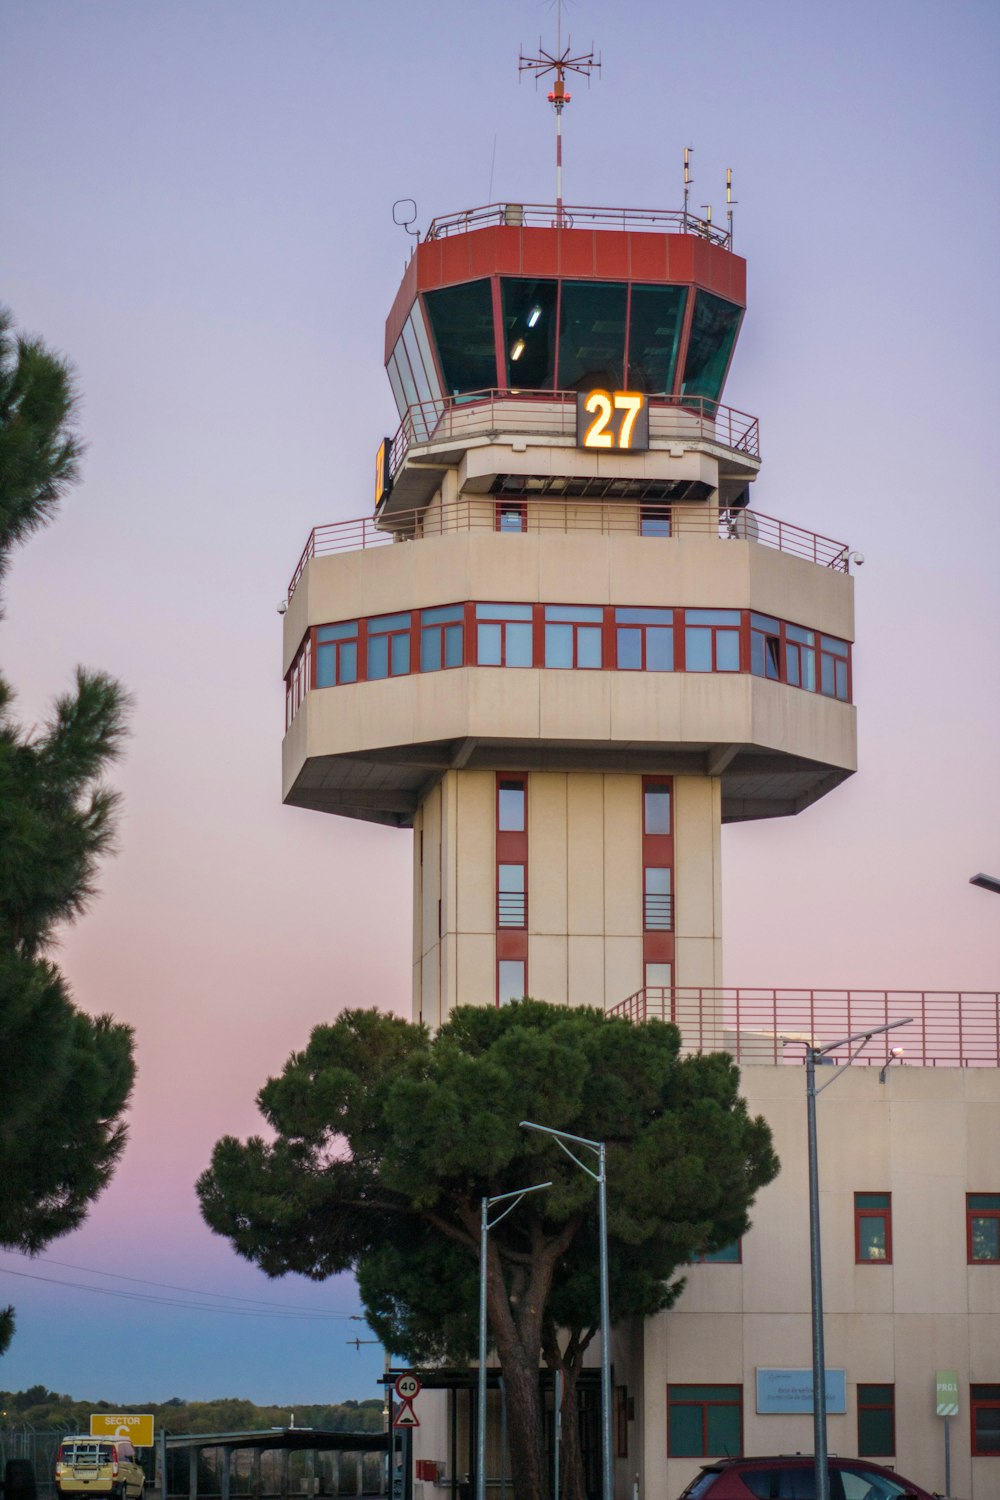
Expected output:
(687, 182)
(731, 203)
(560, 63)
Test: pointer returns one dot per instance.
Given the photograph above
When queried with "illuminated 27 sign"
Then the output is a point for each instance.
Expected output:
(617, 421)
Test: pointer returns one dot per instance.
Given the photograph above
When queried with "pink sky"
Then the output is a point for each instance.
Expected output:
(198, 211)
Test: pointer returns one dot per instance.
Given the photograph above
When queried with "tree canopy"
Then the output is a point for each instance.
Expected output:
(386, 1138)
(67, 1076)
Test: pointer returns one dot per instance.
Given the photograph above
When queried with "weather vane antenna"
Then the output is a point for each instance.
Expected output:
(560, 62)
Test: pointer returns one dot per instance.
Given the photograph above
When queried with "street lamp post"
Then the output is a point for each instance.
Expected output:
(813, 1053)
(600, 1177)
(484, 1227)
(987, 883)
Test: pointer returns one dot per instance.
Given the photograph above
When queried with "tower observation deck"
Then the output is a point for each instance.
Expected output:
(566, 648)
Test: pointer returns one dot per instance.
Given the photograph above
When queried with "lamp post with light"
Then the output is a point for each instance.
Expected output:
(814, 1054)
(600, 1177)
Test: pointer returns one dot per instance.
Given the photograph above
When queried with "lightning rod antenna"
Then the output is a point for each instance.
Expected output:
(731, 203)
(560, 62)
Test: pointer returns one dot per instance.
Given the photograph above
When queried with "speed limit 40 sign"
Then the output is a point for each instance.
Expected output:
(407, 1386)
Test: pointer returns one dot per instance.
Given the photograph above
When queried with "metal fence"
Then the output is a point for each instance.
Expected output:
(548, 216)
(950, 1028)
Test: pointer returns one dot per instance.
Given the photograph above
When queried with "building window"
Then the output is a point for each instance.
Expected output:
(337, 654)
(729, 1255)
(511, 515)
(765, 647)
(657, 901)
(800, 657)
(712, 640)
(984, 1405)
(655, 807)
(657, 976)
(389, 646)
(573, 636)
(876, 1421)
(704, 1421)
(510, 980)
(873, 1228)
(511, 806)
(512, 903)
(441, 634)
(982, 1211)
(645, 640)
(504, 635)
(654, 520)
(833, 667)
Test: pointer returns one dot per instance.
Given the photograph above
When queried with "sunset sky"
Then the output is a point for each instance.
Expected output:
(197, 210)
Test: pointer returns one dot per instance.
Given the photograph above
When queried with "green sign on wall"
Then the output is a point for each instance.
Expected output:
(947, 1393)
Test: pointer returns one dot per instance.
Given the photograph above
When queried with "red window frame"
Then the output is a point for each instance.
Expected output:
(704, 1259)
(511, 904)
(410, 631)
(982, 1398)
(870, 1212)
(883, 1405)
(741, 631)
(542, 622)
(440, 627)
(510, 508)
(705, 1402)
(511, 849)
(979, 1213)
(658, 853)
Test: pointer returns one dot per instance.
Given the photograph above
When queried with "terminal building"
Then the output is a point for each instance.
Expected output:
(564, 650)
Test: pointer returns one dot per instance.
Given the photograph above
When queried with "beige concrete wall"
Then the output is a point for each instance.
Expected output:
(584, 889)
(927, 1136)
(573, 567)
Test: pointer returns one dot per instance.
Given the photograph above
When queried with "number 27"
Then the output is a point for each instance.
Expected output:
(603, 403)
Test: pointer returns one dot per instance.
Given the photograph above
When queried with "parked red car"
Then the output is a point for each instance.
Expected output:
(792, 1476)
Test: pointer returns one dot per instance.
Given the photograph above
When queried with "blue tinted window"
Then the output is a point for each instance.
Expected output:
(400, 656)
(503, 611)
(510, 807)
(588, 647)
(511, 905)
(378, 657)
(659, 650)
(453, 645)
(629, 650)
(347, 631)
(656, 810)
(655, 319)
(713, 333)
(727, 651)
(519, 645)
(430, 651)
(389, 622)
(558, 645)
(726, 1256)
(510, 980)
(657, 899)
(698, 649)
(488, 640)
(712, 616)
(326, 666)
(349, 662)
(654, 521)
(644, 616)
(796, 633)
(584, 614)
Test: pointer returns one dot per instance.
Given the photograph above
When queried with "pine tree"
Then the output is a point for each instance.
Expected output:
(66, 1076)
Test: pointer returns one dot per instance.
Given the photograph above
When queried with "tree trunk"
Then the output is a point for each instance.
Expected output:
(569, 1362)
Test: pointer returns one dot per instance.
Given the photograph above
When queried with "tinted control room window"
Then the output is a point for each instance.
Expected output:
(592, 335)
(655, 320)
(529, 332)
(337, 654)
(461, 319)
(713, 334)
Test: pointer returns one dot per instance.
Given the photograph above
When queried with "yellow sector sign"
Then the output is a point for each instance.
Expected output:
(136, 1426)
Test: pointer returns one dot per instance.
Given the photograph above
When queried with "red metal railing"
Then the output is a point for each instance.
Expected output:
(604, 517)
(553, 414)
(950, 1028)
(546, 216)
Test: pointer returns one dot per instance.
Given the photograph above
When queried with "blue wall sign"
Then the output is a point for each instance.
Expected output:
(790, 1391)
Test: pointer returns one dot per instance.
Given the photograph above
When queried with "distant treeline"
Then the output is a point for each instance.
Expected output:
(40, 1408)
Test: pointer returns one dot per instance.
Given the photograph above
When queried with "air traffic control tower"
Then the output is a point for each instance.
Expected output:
(566, 648)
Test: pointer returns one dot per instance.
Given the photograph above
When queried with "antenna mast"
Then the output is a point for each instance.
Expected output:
(560, 63)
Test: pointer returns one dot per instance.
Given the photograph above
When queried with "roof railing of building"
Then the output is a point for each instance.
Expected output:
(547, 216)
(545, 414)
(950, 1028)
(654, 522)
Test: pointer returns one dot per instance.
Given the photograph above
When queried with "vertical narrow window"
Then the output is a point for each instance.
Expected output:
(873, 1228)
(644, 640)
(984, 1407)
(833, 658)
(389, 646)
(511, 888)
(441, 638)
(654, 520)
(573, 636)
(876, 1421)
(765, 647)
(800, 655)
(657, 923)
(982, 1214)
(504, 635)
(337, 654)
(712, 640)
(704, 1421)
(621, 1421)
